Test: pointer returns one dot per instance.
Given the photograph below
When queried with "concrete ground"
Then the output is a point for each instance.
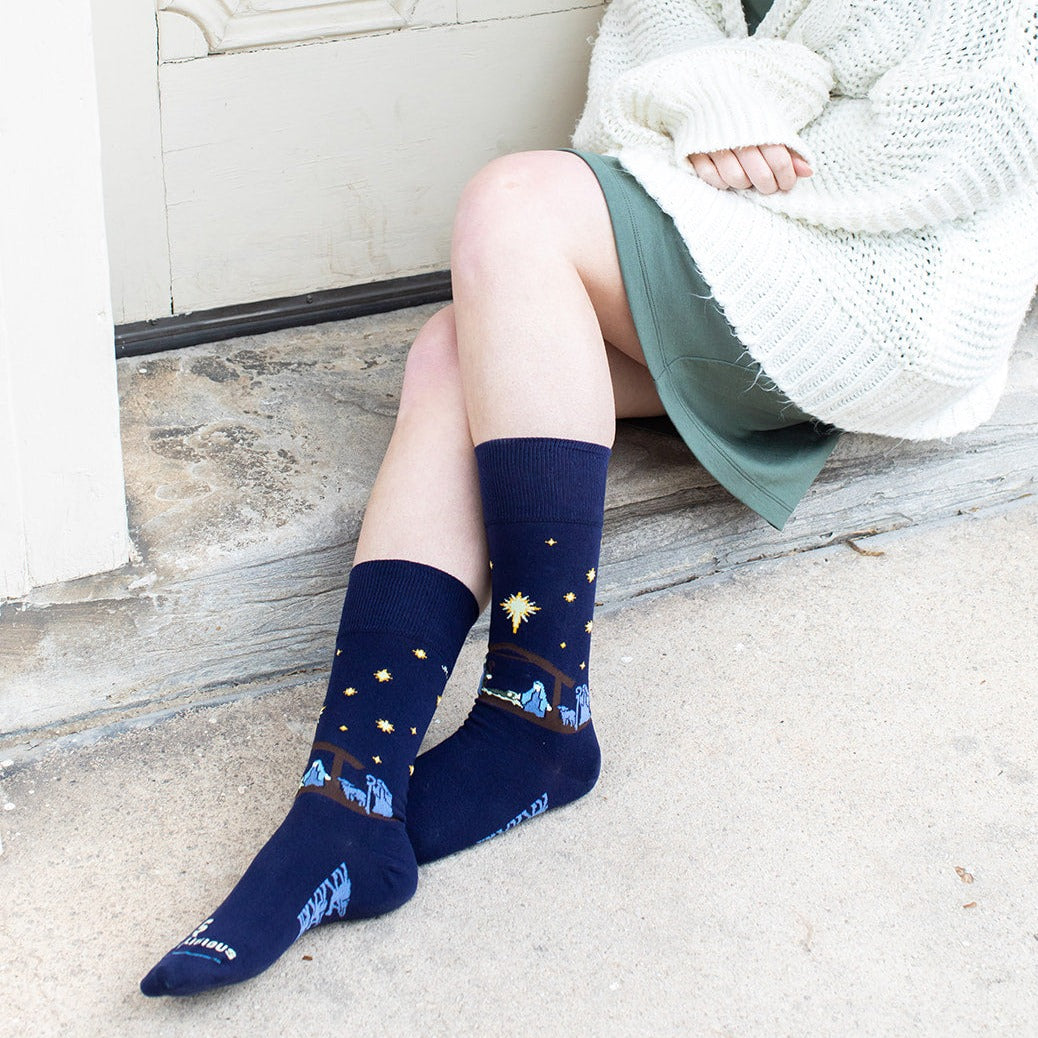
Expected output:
(816, 816)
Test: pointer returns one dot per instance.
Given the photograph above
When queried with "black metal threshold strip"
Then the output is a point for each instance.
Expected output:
(230, 322)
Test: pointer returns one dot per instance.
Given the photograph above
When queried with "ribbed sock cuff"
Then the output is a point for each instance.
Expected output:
(538, 479)
(409, 598)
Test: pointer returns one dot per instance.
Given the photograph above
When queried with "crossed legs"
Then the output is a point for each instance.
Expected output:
(494, 480)
(539, 341)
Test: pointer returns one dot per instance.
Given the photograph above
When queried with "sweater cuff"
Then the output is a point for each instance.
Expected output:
(737, 129)
(736, 93)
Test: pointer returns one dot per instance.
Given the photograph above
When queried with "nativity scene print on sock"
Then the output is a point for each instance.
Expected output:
(550, 692)
(535, 702)
(359, 790)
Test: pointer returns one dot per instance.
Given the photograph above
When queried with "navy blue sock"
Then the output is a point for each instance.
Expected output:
(528, 744)
(343, 851)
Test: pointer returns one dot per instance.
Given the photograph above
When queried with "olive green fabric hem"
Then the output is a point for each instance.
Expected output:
(748, 435)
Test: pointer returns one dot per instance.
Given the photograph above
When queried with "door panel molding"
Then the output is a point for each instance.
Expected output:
(230, 25)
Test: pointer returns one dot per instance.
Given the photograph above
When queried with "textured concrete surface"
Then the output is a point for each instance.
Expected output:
(817, 816)
(248, 464)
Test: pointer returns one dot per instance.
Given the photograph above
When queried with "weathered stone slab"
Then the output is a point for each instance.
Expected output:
(248, 464)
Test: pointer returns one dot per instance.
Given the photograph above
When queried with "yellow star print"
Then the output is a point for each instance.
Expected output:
(377, 759)
(589, 625)
(590, 574)
(351, 691)
(421, 654)
(384, 726)
(551, 542)
(383, 675)
(519, 609)
(569, 596)
(583, 666)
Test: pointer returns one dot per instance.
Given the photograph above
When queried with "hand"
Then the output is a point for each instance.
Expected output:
(769, 168)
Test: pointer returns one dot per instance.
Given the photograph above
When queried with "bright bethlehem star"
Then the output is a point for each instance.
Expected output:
(519, 609)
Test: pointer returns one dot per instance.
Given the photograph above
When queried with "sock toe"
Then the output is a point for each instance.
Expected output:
(323, 865)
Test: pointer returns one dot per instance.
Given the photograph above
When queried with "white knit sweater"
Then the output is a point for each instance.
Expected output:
(883, 294)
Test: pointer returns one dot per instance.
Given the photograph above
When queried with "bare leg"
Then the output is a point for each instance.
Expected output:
(543, 359)
(537, 293)
(425, 504)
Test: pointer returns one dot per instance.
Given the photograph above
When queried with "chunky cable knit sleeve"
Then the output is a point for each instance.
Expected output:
(682, 75)
(945, 131)
(912, 114)
(883, 294)
(731, 94)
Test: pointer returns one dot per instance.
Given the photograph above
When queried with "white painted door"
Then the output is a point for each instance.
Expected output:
(62, 506)
(264, 148)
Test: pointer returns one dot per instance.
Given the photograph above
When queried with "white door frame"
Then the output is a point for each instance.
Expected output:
(62, 501)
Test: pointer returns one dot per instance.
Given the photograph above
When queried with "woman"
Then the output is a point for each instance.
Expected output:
(856, 180)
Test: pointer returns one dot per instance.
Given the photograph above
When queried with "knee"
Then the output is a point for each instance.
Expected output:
(432, 362)
(504, 206)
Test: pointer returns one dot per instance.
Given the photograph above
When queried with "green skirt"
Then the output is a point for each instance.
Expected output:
(746, 433)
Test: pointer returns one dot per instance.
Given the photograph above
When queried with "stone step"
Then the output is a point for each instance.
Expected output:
(248, 463)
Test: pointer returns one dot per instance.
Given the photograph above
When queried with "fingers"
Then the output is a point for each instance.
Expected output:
(731, 170)
(758, 169)
(800, 166)
(769, 168)
(779, 160)
(707, 171)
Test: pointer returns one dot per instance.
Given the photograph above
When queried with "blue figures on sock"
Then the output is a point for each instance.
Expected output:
(538, 807)
(581, 712)
(380, 800)
(583, 708)
(328, 901)
(535, 700)
(316, 775)
(354, 793)
(376, 800)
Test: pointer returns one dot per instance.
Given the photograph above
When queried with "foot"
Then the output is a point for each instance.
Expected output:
(528, 745)
(343, 851)
(325, 863)
(496, 771)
